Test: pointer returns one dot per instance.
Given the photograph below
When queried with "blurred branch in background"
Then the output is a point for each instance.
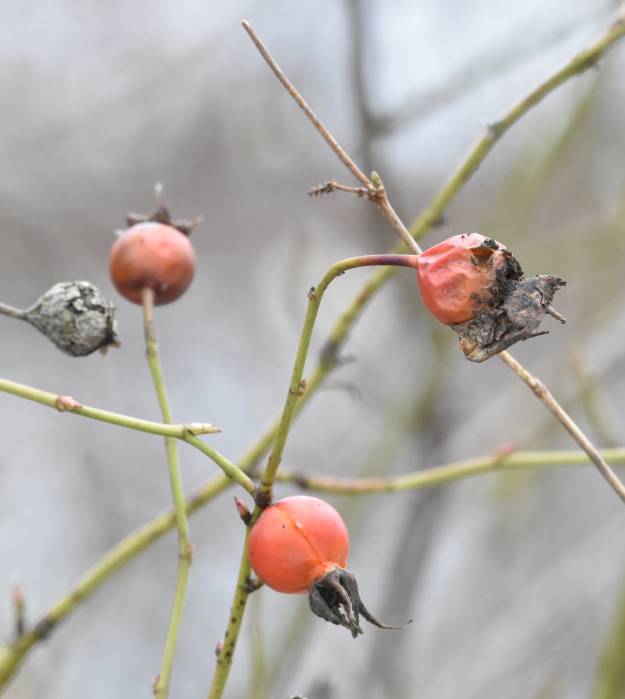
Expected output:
(610, 672)
(591, 401)
(501, 60)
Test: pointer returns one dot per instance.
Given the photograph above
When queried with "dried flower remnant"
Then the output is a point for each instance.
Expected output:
(476, 286)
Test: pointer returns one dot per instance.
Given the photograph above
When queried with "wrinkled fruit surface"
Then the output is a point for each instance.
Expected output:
(301, 544)
(153, 255)
(76, 317)
(475, 285)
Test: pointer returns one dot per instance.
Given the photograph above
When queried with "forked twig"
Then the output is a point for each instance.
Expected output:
(374, 188)
(375, 192)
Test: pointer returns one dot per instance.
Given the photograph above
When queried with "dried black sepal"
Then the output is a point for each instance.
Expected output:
(163, 215)
(510, 311)
(334, 597)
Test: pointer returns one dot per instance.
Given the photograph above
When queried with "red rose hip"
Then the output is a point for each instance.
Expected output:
(475, 285)
(297, 540)
(301, 544)
(456, 277)
(152, 255)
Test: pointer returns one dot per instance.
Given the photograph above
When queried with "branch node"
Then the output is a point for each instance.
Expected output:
(43, 628)
(252, 584)
(262, 498)
(64, 403)
(187, 553)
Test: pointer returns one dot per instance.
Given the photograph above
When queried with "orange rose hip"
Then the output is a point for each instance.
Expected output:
(152, 255)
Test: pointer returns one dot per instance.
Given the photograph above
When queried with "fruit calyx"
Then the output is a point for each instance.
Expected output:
(514, 310)
(334, 597)
(162, 215)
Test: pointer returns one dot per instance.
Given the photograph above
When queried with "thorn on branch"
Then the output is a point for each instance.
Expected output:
(243, 510)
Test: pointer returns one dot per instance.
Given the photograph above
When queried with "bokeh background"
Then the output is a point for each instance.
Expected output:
(512, 580)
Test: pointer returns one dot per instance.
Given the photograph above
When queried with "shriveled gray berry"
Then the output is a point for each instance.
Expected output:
(76, 317)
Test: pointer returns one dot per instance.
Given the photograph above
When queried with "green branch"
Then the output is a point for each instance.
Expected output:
(66, 404)
(187, 432)
(610, 672)
(141, 539)
(447, 473)
(185, 550)
(297, 388)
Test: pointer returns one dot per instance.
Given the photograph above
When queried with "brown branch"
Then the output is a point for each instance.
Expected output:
(374, 186)
(327, 136)
(545, 396)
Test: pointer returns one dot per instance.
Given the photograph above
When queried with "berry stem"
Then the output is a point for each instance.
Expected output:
(297, 387)
(161, 685)
(11, 312)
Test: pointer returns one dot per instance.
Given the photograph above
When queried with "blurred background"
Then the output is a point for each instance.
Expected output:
(512, 580)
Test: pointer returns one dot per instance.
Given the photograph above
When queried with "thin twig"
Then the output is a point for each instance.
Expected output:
(16, 313)
(161, 685)
(328, 137)
(441, 475)
(545, 396)
(333, 186)
(67, 404)
(186, 433)
(374, 186)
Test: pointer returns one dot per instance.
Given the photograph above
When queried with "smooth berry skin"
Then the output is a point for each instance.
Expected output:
(455, 278)
(297, 541)
(152, 255)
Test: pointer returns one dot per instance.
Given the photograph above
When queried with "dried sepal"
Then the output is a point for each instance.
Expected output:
(335, 598)
(516, 317)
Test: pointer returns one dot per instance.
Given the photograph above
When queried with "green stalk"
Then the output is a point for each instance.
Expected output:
(297, 388)
(185, 552)
(187, 433)
(69, 405)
